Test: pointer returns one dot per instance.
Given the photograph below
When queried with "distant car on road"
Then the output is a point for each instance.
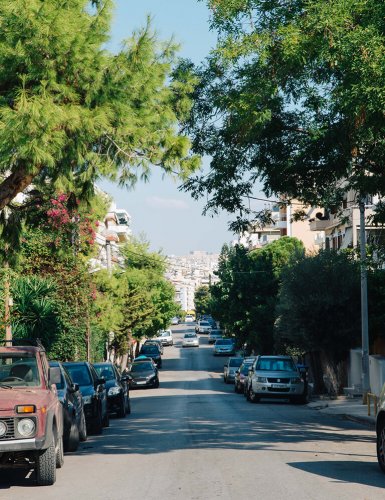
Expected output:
(190, 340)
(155, 341)
(175, 320)
(152, 351)
(203, 327)
(230, 367)
(224, 347)
(143, 373)
(165, 337)
(189, 318)
(214, 335)
(275, 377)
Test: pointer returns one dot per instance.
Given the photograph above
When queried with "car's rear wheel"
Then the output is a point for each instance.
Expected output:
(381, 443)
(45, 466)
(83, 428)
(73, 438)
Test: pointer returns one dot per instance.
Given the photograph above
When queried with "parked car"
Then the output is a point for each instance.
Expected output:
(143, 373)
(203, 327)
(224, 347)
(74, 420)
(189, 318)
(165, 337)
(230, 367)
(31, 417)
(214, 335)
(275, 377)
(380, 430)
(117, 386)
(94, 394)
(190, 340)
(175, 320)
(241, 374)
(157, 342)
(152, 351)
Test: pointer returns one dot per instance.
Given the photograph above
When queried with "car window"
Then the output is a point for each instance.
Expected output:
(235, 362)
(105, 371)
(150, 348)
(79, 374)
(189, 335)
(224, 342)
(19, 370)
(275, 364)
(141, 367)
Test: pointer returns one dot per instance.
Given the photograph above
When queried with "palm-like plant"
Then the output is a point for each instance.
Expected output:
(34, 314)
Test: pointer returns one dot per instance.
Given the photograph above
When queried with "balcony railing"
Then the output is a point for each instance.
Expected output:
(319, 225)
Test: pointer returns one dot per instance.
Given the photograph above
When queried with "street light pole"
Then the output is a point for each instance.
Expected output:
(364, 304)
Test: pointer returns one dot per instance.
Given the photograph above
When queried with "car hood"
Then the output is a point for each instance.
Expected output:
(144, 373)
(87, 390)
(9, 398)
(111, 383)
(277, 374)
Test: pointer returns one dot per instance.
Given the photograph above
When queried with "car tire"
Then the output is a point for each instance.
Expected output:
(121, 413)
(236, 388)
(45, 466)
(83, 428)
(106, 419)
(59, 453)
(128, 406)
(73, 438)
(251, 396)
(156, 385)
(97, 427)
(225, 380)
(381, 444)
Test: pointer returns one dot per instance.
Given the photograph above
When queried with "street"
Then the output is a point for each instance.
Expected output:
(194, 438)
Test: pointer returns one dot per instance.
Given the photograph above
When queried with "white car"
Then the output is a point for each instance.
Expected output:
(189, 318)
(190, 340)
(165, 337)
(204, 327)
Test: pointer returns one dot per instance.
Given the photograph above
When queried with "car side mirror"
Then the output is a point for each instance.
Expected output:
(236, 371)
(75, 387)
(100, 381)
(54, 375)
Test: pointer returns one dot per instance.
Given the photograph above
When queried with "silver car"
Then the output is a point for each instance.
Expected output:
(275, 377)
(229, 369)
(223, 347)
(190, 340)
(215, 335)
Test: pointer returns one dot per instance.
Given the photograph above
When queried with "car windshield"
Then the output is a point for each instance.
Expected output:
(150, 349)
(165, 334)
(235, 362)
(19, 369)
(105, 371)
(79, 374)
(245, 368)
(204, 323)
(189, 336)
(141, 367)
(216, 332)
(224, 342)
(275, 365)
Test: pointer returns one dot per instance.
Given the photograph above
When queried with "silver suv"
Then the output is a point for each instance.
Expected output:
(275, 377)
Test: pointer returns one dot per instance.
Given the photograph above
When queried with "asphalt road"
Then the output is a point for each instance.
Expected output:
(194, 438)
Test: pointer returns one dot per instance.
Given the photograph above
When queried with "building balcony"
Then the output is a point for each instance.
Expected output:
(318, 224)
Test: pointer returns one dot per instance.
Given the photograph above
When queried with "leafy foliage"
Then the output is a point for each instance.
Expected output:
(293, 97)
(202, 300)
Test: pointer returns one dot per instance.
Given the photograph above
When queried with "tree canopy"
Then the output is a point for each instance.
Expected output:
(293, 97)
(72, 112)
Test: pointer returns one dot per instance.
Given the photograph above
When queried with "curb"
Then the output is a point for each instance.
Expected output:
(367, 421)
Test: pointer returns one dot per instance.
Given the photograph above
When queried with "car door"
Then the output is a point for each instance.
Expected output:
(100, 389)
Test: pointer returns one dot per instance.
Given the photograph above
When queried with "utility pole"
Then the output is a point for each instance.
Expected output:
(7, 304)
(364, 303)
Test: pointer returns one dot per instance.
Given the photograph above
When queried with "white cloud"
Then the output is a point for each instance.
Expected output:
(167, 203)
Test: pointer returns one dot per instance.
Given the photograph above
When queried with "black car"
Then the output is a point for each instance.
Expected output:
(152, 351)
(118, 391)
(74, 422)
(94, 394)
(143, 373)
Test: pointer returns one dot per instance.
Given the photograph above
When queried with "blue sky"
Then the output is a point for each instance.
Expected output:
(171, 220)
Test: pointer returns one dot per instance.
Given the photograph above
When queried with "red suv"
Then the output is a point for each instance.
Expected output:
(31, 418)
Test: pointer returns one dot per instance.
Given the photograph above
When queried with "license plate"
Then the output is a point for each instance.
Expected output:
(278, 386)
(141, 383)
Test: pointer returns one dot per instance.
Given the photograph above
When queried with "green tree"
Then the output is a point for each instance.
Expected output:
(202, 300)
(245, 299)
(293, 97)
(71, 112)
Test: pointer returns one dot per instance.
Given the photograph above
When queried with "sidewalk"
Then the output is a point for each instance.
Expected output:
(348, 408)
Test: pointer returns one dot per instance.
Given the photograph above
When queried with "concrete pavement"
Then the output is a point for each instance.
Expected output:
(344, 407)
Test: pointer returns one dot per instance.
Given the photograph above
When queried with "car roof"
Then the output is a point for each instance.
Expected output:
(284, 356)
(26, 348)
(103, 363)
(75, 363)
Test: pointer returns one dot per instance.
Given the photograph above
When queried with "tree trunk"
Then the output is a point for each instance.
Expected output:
(16, 183)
